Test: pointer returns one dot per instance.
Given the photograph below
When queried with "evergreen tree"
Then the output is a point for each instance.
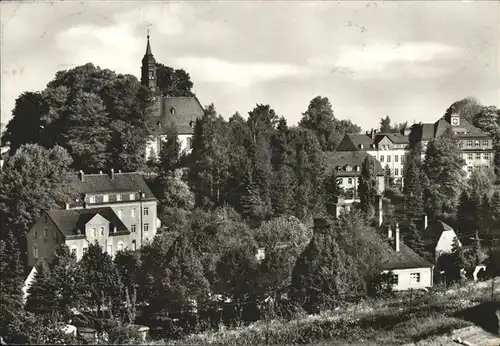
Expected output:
(458, 257)
(367, 187)
(42, 294)
(385, 124)
(169, 154)
(446, 178)
(128, 264)
(495, 208)
(413, 192)
(466, 213)
(101, 280)
(478, 255)
(413, 238)
(324, 275)
(332, 192)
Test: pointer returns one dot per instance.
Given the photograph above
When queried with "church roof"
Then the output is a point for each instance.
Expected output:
(70, 221)
(180, 112)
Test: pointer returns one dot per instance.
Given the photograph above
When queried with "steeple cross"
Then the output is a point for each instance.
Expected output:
(148, 25)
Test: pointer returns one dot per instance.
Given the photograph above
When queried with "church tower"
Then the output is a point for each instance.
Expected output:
(148, 69)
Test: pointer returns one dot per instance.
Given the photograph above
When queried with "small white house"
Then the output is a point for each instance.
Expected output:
(443, 236)
(410, 270)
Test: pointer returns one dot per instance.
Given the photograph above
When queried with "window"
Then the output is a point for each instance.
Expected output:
(396, 158)
(104, 198)
(35, 251)
(478, 156)
(172, 110)
(119, 247)
(381, 158)
(74, 250)
(133, 245)
(339, 181)
(469, 156)
(151, 75)
(146, 211)
(469, 169)
(101, 231)
(110, 250)
(189, 142)
(402, 158)
(91, 199)
(485, 143)
(118, 197)
(349, 181)
(146, 227)
(46, 233)
(388, 158)
(132, 196)
(35, 233)
(396, 171)
(120, 213)
(133, 212)
(84, 250)
(93, 232)
(348, 168)
(414, 277)
(395, 279)
(477, 144)
(133, 228)
(486, 156)
(470, 143)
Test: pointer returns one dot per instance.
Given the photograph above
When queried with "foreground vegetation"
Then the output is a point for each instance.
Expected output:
(391, 321)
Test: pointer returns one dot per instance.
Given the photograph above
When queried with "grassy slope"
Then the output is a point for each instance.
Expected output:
(376, 322)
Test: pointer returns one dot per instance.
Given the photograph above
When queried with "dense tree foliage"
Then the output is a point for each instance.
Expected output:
(413, 192)
(173, 82)
(446, 178)
(368, 188)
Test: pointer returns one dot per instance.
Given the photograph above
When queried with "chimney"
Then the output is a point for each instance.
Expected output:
(389, 232)
(112, 174)
(425, 222)
(67, 206)
(373, 133)
(321, 225)
(82, 175)
(397, 237)
(100, 172)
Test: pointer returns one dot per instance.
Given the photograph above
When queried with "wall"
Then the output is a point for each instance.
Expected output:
(113, 240)
(46, 245)
(404, 282)
(128, 219)
(445, 242)
(344, 183)
(153, 145)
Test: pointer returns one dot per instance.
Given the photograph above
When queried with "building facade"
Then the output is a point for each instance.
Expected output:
(347, 166)
(170, 114)
(117, 210)
(391, 150)
(476, 147)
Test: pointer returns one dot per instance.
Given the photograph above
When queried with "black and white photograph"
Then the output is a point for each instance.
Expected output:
(250, 172)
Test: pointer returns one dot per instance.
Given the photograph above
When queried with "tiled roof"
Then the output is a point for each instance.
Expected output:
(179, 111)
(405, 258)
(361, 139)
(427, 131)
(464, 130)
(122, 182)
(396, 138)
(349, 158)
(69, 221)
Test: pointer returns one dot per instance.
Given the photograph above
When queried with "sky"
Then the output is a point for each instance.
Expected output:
(408, 60)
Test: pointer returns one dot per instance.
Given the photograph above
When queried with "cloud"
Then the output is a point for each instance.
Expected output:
(388, 61)
(241, 74)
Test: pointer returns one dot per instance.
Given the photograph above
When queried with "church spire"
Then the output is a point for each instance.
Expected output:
(148, 69)
(148, 47)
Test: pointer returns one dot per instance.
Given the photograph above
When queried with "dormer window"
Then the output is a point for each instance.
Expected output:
(357, 169)
(348, 168)
(158, 124)
(172, 111)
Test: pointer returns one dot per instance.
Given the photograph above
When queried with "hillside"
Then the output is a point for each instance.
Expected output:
(436, 317)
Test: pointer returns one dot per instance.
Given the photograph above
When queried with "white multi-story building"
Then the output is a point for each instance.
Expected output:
(476, 146)
(391, 150)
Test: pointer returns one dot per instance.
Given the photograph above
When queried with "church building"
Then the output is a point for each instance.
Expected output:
(169, 113)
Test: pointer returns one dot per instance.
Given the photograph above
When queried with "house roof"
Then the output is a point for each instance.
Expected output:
(360, 139)
(405, 258)
(180, 112)
(464, 130)
(122, 182)
(436, 228)
(366, 141)
(69, 221)
(342, 159)
(396, 138)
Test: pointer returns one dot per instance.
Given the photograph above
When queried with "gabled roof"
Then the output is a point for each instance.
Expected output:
(366, 140)
(440, 127)
(405, 258)
(436, 228)
(396, 138)
(69, 221)
(122, 182)
(342, 159)
(360, 139)
(181, 112)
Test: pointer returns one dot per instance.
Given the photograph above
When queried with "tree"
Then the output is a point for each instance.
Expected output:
(458, 257)
(324, 275)
(332, 192)
(101, 281)
(86, 133)
(57, 287)
(128, 264)
(443, 168)
(413, 192)
(26, 123)
(169, 154)
(478, 184)
(173, 82)
(385, 124)
(182, 280)
(495, 208)
(467, 107)
(413, 238)
(319, 118)
(33, 180)
(176, 193)
(467, 213)
(367, 187)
